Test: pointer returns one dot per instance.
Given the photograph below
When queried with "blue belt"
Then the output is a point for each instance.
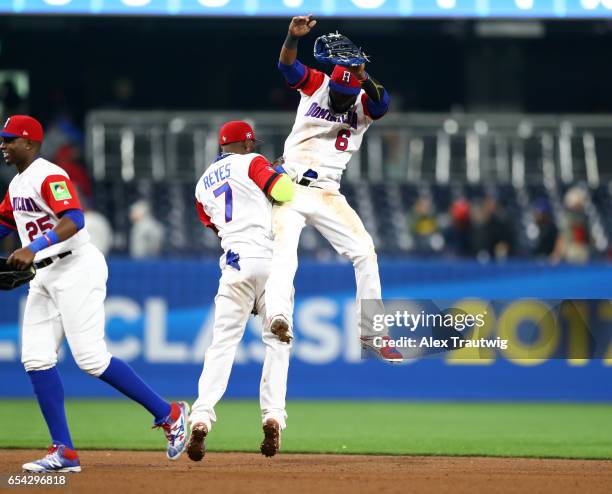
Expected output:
(308, 178)
(231, 259)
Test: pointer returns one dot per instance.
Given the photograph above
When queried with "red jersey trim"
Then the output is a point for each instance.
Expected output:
(312, 81)
(59, 193)
(272, 182)
(204, 218)
(7, 217)
(262, 173)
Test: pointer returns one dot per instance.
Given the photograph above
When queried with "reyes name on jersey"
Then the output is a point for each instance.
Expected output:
(232, 196)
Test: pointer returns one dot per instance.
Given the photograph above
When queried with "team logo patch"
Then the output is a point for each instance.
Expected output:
(346, 76)
(60, 191)
(249, 135)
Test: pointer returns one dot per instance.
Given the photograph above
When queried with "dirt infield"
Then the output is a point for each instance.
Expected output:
(126, 471)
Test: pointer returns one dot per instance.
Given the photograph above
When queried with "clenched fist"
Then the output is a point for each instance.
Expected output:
(21, 259)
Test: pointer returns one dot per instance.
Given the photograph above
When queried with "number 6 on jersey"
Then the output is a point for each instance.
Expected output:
(342, 140)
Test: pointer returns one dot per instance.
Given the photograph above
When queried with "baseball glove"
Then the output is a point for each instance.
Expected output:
(338, 49)
(11, 278)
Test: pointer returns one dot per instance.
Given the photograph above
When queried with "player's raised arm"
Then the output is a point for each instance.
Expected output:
(293, 70)
(376, 102)
(299, 26)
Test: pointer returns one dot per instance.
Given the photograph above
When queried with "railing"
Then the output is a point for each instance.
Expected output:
(489, 148)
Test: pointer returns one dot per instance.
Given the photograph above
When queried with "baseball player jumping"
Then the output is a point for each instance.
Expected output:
(332, 117)
(232, 199)
(66, 297)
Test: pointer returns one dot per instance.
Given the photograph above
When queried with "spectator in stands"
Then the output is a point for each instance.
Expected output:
(147, 235)
(573, 242)
(99, 228)
(458, 235)
(547, 231)
(424, 227)
(492, 231)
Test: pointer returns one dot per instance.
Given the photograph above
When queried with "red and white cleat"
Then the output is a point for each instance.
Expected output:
(59, 458)
(385, 352)
(175, 429)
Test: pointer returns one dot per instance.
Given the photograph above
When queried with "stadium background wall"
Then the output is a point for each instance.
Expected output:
(159, 319)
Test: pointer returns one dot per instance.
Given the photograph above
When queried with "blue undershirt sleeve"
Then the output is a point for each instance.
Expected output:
(378, 109)
(293, 73)
(77, 217)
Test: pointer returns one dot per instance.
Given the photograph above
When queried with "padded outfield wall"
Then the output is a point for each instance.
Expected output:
(160, 320)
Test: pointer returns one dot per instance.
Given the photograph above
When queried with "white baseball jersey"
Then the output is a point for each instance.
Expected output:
(33, 202)
(319, 139)
(229, 196)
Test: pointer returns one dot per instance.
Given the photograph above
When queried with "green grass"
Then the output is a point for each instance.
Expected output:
(534, 430)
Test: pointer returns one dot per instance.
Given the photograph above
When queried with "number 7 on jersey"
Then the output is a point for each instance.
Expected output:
(229, 206)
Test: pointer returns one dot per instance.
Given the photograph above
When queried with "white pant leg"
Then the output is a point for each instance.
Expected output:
(233, 304)
(288, 220)
(77, 284)
(67, 297)
(273, 385)
(338, 222)
(42, 332)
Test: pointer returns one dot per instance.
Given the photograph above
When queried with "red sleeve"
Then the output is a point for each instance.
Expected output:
(262, 173)
(6, 213)
(312, 80)
(204, 218)
(59, 193)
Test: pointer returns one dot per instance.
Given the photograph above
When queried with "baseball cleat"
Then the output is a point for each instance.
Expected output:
(59, 459)
(271, 442)
(280, 327)
(387, 353)
(196, 449)
(175, 429)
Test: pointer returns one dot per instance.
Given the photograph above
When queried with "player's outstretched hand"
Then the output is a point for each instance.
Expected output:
(358, 71)
(21, 259)
(301, 25)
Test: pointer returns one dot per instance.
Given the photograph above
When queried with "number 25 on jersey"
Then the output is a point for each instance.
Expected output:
(41, 225)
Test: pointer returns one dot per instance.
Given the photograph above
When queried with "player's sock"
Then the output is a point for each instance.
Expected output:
(123, 378)
(49, 391)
